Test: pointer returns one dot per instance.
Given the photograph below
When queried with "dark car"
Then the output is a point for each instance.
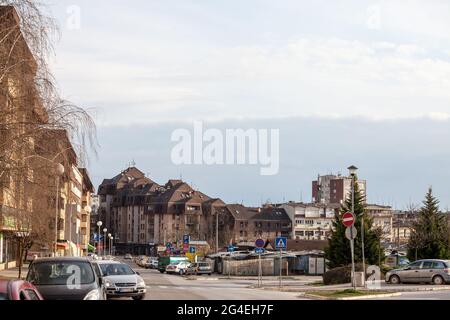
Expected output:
(422, 271)
(66, 278)
(18, 290)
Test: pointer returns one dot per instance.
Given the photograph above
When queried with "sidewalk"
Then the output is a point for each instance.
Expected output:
(384, 288)
(13, 273)
(303, 279)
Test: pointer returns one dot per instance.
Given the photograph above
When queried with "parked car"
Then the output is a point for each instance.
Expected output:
(128, 257)
(18, 290)
(163, 262)
(421, 271)
(178, 267)
(199, 268)
(66, 278)
(152, 263)
(120, 280)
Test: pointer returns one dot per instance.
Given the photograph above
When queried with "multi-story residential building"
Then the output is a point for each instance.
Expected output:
(139, 212)
(86, 210)
(382, 219)
(334, 189)
(19, 110)
(240, 224)
(310, 221)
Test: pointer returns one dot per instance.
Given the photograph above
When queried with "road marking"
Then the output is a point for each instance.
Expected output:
(162, 287)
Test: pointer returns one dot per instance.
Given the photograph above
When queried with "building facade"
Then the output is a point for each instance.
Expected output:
(334, 189)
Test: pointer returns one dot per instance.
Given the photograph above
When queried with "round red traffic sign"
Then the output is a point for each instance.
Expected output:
(348, 219)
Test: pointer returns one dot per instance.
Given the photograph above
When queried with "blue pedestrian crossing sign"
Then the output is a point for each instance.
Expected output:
(186, 239)
(192, 250)
(231, 248)
(281, 243)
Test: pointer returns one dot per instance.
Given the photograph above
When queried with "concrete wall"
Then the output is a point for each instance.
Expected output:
(248, 267)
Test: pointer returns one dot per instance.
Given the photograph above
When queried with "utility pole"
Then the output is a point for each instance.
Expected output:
(217, 231)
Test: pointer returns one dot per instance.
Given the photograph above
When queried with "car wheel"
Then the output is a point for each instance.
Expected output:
(209, 274)
(138, 297)
(161, 271)
(181, 272)
(394, 279)
(438, 280)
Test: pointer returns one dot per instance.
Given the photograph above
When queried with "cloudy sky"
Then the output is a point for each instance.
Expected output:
(345, 82)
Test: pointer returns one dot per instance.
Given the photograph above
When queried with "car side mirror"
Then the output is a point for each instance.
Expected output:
(138, 273)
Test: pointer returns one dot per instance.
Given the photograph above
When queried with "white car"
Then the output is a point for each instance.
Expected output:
(178, 267)
(119, 280)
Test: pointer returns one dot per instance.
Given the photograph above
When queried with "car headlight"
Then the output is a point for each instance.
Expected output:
(93, 295)
(141, 283)
(108, 283)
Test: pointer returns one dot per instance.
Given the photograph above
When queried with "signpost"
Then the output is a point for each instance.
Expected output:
(348, 220)
(281, 243)
(192, 250)
(259, 251)
(259, 243)
(186, 239)
(231, 248)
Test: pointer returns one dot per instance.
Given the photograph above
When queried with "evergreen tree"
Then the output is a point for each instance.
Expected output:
(429, 235)
(338, 251)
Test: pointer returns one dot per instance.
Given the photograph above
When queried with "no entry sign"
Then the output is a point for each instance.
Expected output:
(348, 219)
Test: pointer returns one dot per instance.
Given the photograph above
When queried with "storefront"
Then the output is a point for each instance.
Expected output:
(8, 250)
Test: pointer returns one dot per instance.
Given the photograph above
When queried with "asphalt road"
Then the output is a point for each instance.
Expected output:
(174, 287)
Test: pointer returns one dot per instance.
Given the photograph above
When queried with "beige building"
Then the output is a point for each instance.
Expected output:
(383, 219)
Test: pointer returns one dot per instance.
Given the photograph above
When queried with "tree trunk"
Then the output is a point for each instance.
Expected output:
(20, 258)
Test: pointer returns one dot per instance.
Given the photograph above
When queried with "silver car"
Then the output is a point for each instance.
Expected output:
(120, 280)
(421, 271)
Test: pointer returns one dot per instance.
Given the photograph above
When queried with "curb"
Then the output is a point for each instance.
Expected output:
(387, 295)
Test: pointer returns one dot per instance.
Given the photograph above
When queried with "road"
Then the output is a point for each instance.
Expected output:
(174, 287)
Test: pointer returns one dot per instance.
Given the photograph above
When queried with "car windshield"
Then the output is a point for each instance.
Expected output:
(116, 269)
(61, 273)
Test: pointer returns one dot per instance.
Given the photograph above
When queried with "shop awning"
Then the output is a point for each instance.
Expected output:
(62, 245)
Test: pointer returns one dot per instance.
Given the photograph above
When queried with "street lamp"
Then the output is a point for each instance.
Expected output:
(352, 170)
(109, 243)
(86, 239)
(104, 241)
(99, 224)
(59, 171)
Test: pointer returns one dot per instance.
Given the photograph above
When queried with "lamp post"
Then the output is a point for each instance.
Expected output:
(104, 241)
(99, 224)
(59, 171)
(86, 238)
(352, 170)
(109, 243)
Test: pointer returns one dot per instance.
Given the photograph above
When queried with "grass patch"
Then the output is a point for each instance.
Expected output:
(317, 284)
(344, 293)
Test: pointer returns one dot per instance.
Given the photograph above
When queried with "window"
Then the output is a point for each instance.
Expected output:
(427, 265)
(439, 265)
(415, 265)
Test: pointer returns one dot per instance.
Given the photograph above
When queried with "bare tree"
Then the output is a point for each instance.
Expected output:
(31, 111)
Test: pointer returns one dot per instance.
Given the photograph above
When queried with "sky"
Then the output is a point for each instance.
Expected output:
(344, 82)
